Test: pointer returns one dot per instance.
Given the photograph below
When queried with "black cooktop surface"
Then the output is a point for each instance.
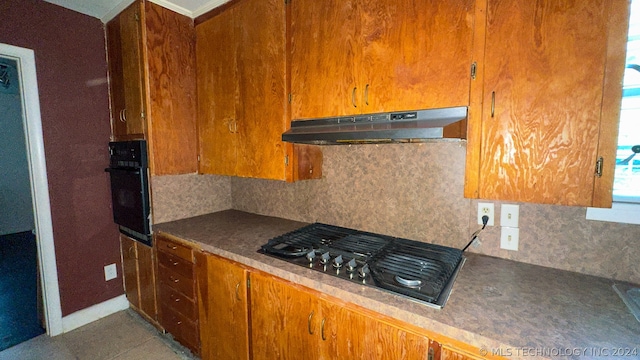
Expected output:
(420, 271)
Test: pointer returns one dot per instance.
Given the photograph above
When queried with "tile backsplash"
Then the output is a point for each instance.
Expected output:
(413, 191)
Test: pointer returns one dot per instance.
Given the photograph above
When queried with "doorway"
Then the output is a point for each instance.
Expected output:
(40, 234)
(19, 295)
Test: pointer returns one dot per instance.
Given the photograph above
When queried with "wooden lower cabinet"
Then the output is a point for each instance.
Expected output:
(178, 310)
(223, 308)
(292, 322)
(138, 265)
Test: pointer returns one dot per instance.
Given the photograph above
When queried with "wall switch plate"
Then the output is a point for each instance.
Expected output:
(110, 272)
(509, 215)
(509, 238)
(485, 209)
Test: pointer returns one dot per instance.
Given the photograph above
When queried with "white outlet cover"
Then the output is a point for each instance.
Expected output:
(486, 209)
(110, 272)
(509, 215)
(509, 238)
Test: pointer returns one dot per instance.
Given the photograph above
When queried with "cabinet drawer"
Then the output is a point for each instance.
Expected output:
(183, 330)
(179, 302)
(177, 281)
(176, 264)
(173, 248)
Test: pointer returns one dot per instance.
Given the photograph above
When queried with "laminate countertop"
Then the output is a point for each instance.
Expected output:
(499, 306)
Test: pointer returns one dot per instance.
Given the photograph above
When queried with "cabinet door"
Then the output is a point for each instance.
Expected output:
(361, 336)
(147, 280)
(130, 269)
(216, 49)
(415, 54)
(544, 75)
(124, 43)
(324, 46)
(285, 321)
(223, 308)
(260, 111)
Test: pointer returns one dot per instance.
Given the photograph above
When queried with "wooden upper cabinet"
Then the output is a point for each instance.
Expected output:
(415, 54)
(124, 44)
(366, 57)
(151, 56)
(242, 95)
(217, 91)
(543, 124)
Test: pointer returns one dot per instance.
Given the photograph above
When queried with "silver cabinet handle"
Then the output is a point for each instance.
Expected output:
(238, 292)
(309, 323)
(322, 330)
(122, 119)
(493, 103)
(353, 97)
(366, 95)
(229, 123)
(235, 126)
(124, 115)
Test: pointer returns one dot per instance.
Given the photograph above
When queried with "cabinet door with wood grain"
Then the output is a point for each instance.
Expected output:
(223, 308)
(285, 321)
(415, 54)
(124, 48)
(216, 49)
(260, 110)
(543, 94)
(324, 47)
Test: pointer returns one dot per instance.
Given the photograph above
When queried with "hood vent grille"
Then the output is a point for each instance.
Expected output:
(407, 126)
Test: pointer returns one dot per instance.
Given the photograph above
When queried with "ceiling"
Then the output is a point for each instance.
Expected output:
(106, 10)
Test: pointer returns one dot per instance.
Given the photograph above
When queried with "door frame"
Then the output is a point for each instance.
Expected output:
(32, 123)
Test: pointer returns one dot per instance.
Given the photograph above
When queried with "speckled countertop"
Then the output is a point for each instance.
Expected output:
(521, 310)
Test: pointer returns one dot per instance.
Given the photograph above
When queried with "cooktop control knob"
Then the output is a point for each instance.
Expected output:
(324, 259)
(311, 255)
(364, 271)
(351, 265)
(337, 262)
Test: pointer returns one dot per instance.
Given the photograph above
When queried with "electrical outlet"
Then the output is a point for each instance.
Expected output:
(509, 238)
(485, 209)
(509, 215)
(110, 272)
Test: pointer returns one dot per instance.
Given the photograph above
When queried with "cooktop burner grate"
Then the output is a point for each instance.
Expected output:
(412, 269)
(420, 271)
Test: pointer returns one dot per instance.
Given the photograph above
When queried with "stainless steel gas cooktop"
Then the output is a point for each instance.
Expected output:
(420, 271)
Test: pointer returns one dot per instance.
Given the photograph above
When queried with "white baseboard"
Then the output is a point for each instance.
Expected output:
(93, 313)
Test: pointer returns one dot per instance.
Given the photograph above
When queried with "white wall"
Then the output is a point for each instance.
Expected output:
(16, 209)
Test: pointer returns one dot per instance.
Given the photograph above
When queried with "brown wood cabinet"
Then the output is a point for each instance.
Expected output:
(151, 57)
(223, 308)
(366, 57)
(242, 106)
(138, 269)
(549, 102)
(292, 322)
(178, 310)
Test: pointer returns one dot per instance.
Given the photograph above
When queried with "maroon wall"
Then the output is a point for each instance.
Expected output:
(71, 68)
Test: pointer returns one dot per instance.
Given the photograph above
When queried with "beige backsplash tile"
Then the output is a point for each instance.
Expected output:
(416, 191)
(175, 197)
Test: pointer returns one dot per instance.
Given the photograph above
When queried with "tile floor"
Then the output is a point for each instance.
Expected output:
(121, 336)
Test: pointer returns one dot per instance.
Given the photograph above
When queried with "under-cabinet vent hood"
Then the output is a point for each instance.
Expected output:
(406, 126)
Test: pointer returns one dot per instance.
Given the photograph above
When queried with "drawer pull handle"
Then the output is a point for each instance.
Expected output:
(493, 104)
(353, 97)
(172, 247)
(309, 323)
(179, 322)
(238, 292)
(174, 279)
(366, 95)
(322, 330)
(174, 263)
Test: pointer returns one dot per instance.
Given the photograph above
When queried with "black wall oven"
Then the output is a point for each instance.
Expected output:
(130, 188)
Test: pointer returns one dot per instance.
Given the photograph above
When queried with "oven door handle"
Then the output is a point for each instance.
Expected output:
(130, 171)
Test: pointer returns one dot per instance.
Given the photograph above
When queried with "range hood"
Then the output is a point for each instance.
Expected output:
(405, 126)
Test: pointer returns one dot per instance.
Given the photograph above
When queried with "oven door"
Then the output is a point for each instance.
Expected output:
(130, 199)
